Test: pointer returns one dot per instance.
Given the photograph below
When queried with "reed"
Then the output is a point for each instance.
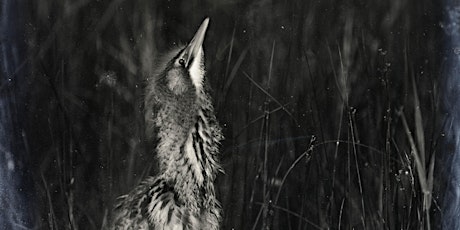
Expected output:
(330, 109)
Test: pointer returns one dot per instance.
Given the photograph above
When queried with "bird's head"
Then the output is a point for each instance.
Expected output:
(173, 94)
(185, 71)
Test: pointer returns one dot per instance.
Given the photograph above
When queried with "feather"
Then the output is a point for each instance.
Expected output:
(180, 116)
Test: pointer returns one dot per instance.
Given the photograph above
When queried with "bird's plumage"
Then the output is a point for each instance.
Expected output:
(180, 115)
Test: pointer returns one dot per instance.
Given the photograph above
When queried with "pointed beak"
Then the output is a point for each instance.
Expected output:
(194, 47)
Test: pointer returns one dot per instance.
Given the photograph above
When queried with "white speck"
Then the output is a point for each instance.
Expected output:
(9, 161)
(282, 27)
(457, 50)
(10, 165)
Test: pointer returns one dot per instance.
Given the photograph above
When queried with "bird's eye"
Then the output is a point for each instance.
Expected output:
(182, 62)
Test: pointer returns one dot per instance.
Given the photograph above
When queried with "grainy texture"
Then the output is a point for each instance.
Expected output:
(341, 73)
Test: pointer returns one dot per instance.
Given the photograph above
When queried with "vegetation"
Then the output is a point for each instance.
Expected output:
(332, 110)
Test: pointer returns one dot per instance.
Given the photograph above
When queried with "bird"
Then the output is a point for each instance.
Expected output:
(179, 115)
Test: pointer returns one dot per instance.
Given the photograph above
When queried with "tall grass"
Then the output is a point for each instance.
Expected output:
(329, 108)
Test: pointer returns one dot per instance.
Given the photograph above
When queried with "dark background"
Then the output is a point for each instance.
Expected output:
(337, 114)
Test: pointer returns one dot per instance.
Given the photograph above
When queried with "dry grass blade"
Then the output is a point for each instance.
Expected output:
(229, 59)
(52, 224)
(259, 118)
(421, 172)
(271, 64)
(270, 96)
(235, 68)
(426, 181)
(294, 214)
(307, 153)
(419, 134)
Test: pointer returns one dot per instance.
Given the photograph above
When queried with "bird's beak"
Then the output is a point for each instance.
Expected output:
(194, 47)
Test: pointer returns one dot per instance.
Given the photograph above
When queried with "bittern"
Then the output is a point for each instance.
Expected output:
(180, 116)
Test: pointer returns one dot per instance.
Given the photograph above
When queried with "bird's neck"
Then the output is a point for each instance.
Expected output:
(188, 158)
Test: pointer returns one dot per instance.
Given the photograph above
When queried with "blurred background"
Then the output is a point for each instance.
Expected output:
(337, 114)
